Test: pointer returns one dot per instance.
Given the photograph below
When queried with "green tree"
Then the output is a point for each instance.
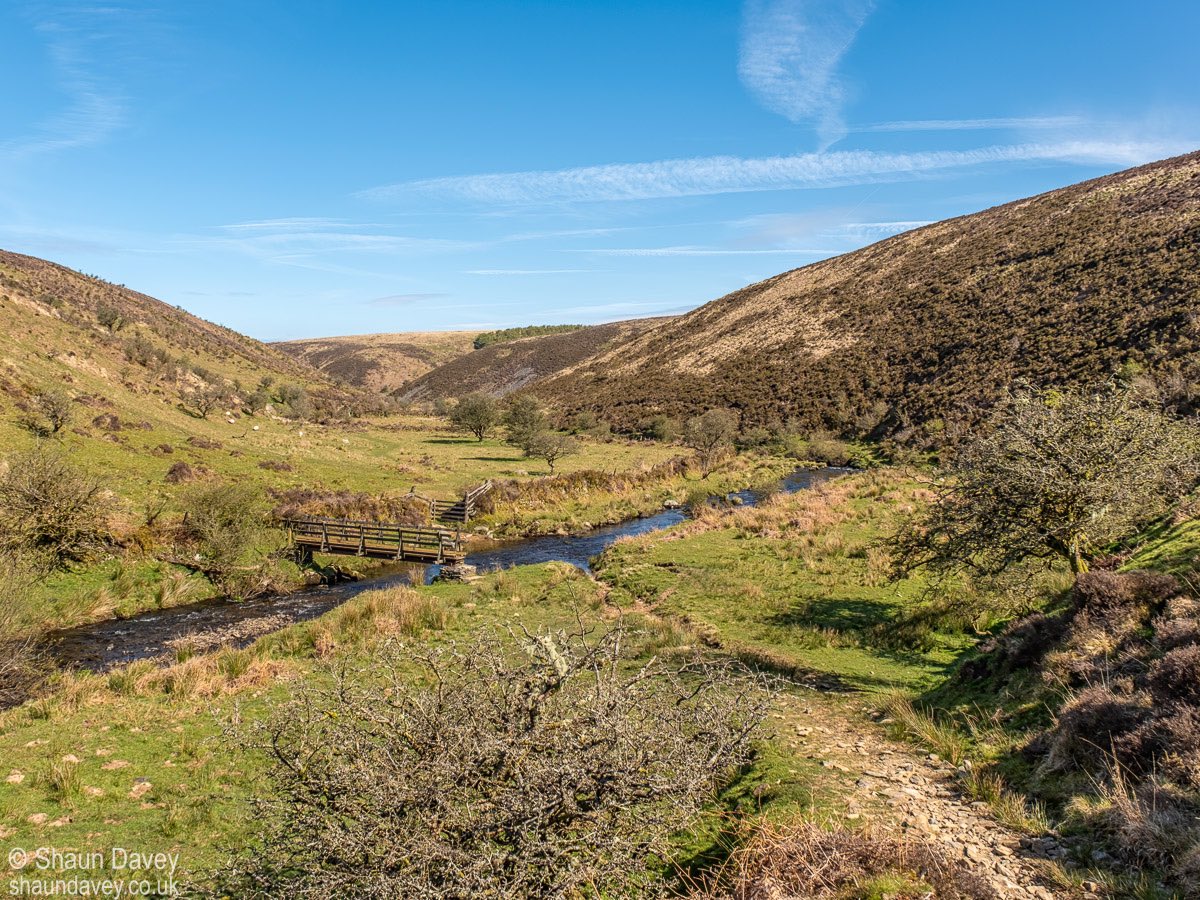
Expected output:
(476, 414)
(523, 419)
(1057, 474)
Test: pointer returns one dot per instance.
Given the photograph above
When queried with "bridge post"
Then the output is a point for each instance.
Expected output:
(324, 537)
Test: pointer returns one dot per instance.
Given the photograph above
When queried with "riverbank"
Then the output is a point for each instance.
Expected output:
(161, 635)
(787, 585)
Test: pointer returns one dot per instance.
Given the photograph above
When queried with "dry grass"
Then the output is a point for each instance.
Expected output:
(923, 727)
(806, 860)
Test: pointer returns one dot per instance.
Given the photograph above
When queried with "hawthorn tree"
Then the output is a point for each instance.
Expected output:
(1056, 475)
(551, 446)
(50, 412)
(202, 399)
(476, 414)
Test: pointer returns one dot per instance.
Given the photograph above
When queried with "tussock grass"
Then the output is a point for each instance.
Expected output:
(925, 728)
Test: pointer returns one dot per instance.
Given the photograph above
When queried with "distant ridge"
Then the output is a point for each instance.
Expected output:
(381, 362)
(919, 334)
(499, 369)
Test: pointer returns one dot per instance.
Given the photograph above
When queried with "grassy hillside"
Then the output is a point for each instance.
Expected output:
(501, 368)
(124, 366)
(921, 332)
(381, 362)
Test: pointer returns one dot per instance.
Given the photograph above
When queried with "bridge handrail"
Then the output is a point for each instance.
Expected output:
(327, 527)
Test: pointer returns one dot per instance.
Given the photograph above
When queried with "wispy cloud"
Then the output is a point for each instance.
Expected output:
(731, 174)
(789, 54)
(1017, 123)
(85, 47)
(527, 271)
(406, 299)
(681, 251)
(298, 239)
(297, 223)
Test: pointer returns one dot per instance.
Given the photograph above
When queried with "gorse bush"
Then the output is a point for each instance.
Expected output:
(544, 766)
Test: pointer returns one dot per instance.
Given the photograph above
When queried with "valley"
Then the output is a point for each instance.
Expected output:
(873, 579)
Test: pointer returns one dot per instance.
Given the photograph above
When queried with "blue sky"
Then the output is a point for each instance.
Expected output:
(299, 168)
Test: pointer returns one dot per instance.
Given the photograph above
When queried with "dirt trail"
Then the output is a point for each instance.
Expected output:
(878, 778)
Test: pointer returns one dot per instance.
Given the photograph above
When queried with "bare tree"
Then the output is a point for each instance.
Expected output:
(549, 769)
(50, 412)
(52, 513)
(202, 399)
(710, 433)
(1058, 474)
(476, 414)
(551, 446)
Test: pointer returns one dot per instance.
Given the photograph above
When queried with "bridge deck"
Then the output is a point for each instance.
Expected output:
(378, 540)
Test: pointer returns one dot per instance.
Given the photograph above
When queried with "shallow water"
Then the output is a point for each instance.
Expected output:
(212, 623)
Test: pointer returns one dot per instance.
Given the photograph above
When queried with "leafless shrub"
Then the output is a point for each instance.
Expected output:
(544, 767)
(53, 514)
(806, 860)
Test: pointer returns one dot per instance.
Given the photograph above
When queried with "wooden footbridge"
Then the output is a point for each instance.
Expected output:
(378, 540)
(386, 540)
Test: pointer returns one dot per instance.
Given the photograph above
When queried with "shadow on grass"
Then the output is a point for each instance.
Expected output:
(841, 614)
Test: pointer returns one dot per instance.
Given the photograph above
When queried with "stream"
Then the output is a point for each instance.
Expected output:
(214, 623)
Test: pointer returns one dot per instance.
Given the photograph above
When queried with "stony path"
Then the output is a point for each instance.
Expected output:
(880, 778)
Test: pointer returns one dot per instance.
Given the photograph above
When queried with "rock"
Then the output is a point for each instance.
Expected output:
(672, 504)
(459, 572)
(37, 819)
(70, 758)
(140, 789)
(15, 777)
(115, 764)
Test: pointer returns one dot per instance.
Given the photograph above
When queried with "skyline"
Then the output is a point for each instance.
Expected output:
(294, 171)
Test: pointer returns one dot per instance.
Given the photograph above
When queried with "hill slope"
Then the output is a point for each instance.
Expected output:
(380, 362)
(922, 331)
(502, 368)
(126, 362)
